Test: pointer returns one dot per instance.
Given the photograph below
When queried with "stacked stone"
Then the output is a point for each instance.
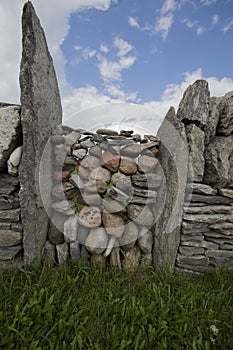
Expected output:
(105, 189)
(11, 235)
(207, 235)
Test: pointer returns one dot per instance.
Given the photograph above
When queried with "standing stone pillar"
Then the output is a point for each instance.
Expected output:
(41, 113)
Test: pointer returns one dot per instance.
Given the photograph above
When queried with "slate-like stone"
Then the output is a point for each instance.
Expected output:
(193, 260)
(107, 132)
(149, 180)
(10, 238)
(225, 124)
(10, 215)
(226, 192)
(201, 189)
(212, 120)
(62, 253)
(10, 132)
(41, 113)
(173, 159)
(196, 198)
(8, 184)
(71, 229)
(194, 106)
(7, 253)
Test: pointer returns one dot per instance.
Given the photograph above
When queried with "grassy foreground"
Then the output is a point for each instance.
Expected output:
(85, 308)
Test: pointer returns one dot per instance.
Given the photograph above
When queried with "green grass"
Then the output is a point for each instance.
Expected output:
(77, 307)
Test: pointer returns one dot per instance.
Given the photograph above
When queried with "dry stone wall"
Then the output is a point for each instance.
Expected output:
(207, 225)
(110, 183)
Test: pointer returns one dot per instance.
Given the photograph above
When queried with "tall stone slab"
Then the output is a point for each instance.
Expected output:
(173, 158)
(41, 113)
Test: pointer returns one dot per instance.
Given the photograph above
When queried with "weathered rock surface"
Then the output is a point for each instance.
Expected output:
(131, 151)
(149, 180)
(14, 160)
(128, 166)
(196, 141)
(217, 156)
(90, 217)
(173, 158)
(212, 120)
(130, 236)
(8, 184)
(7, 253)
(194, 106)
(62, 253)
(140, 214)
(101, 174)
(201, 189)
(71, 229)
(41, 113)
(147, 164)
(97, 241)
(10, 132)
(132, 259)
(113, 224)
(10, 238)
(110, 161)
(225, 124)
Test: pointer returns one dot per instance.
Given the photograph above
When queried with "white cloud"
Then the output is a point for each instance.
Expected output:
(104, 48)
(133, 22)
(215, 19)
(200, 30)
(88, 53)
(163, 24)
(189, 23)
(117, 92)
(123, 46)
(207, 2)
(228, 26)
(169, 5)
(111, 70)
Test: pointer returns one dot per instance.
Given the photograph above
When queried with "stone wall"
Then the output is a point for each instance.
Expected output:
(11, 230)
(72, 195)
(104, 196)
(207, 225)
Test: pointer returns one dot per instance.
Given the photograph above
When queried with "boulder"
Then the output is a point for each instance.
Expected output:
(194, 106)
(41, 113)
(212, 120)
(10, 132)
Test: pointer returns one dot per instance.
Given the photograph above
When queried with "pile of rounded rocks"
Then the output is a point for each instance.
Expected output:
(104, 197)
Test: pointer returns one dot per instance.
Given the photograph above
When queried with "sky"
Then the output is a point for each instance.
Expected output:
(123, 63)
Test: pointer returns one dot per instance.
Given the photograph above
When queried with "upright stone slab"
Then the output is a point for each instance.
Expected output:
(173, 158)
(41, 112)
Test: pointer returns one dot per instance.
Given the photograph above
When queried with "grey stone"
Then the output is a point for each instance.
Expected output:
(207, 199)
(71, 229)
(76, 180)
(205, 218)
(83, 173)
(149, 180)
(50, 253)
(100, 174)
(107, 132)
(115, 259)
(14, 160)
(8, 184)
(145, 242)
(64, 207)
(60, 152)
(122, 182)
(12, 215)
(98, 138)
(92, 199)
(117, 194)
(57, 139)
(212, 120)
(55, 235)
(194, 106)
(17, 226)
(83, 232)
(194, 237)
(222, 227)
(194, 226)
(79, 153)
(41, 113)
(141, 192)
(147, 164)
(62, 253)
(130, 236)
(96, 151)
(211, 209)
(140, 214)
(113, 224)
(131, 151)
(10, 132)
(7, 253)
(225, 124)
(72, 137)
(10, 238)
(193, 260)
(173, 158)
(132, 259)
(69, 161)
(217, 156)
(87, 144)
(4, 203)
(196, 142)
(97, 241)
(90, 162)
(90, 217)
(226, 192)
(194, 268)
(128, 166)
(191, 250)
(75, 251)
(219, 253)
(110, 161)
(112, 206)
(201, 189)
(121, 142)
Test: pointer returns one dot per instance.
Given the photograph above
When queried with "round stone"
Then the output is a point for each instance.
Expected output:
(130, 236)
(97, 241)
(132, 151)
(128, 166)
(90, 162)
(100, 174)
(96, 151)
(140, 214)
(147, 164)
(90, 217)
(114, 224)
(111, 161)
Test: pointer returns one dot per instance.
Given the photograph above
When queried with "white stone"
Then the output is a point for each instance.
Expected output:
(71, 229)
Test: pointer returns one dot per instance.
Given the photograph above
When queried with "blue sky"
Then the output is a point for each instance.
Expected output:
(124, 52)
